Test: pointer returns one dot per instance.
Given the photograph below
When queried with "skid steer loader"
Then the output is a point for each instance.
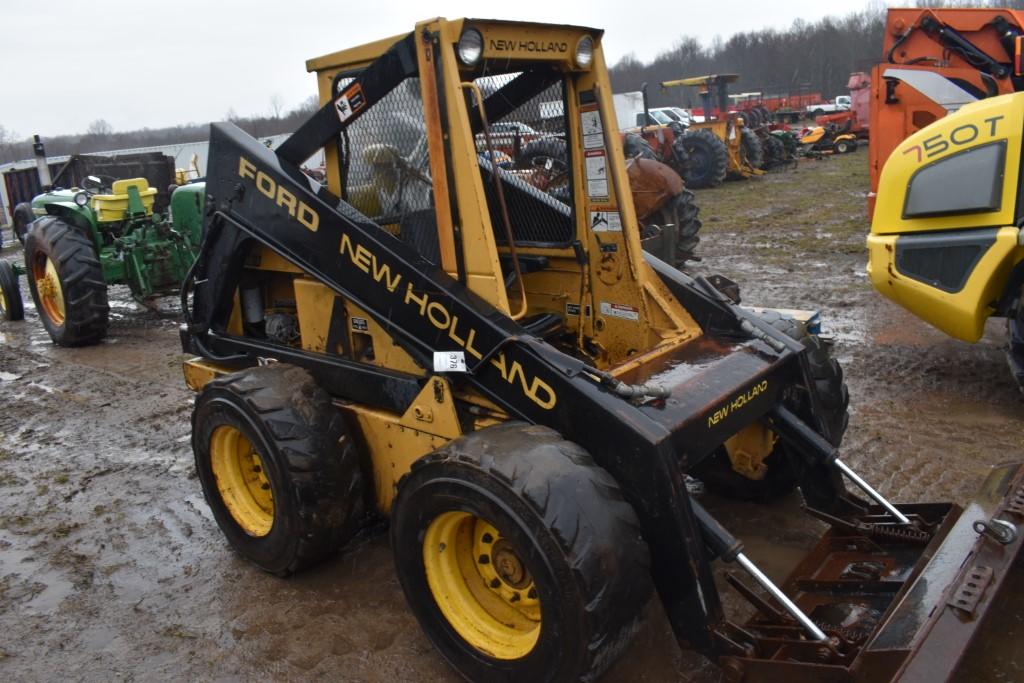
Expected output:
(521, 391)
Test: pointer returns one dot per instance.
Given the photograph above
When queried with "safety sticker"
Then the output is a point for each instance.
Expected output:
(350, 102)
(620, 311)
(590, 124)
(597, 173)
(449, 361)
(360, 324)
(605, 221)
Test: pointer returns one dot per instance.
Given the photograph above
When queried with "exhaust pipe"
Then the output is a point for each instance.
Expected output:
(44, 169)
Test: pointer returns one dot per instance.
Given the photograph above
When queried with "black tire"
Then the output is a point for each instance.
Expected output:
(816, 113)
(535, 152)
(751, 148)
(634, 145)
(565, 522)
(23, 218)
(11, 307)
(708, 159)
(689, 224)
(309, 463)
(1015, 347)
(781, 477)
(775, 151)
(79, 274)
(842, 147)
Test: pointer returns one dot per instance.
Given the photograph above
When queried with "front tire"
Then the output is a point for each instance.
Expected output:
(277, 467)
(779, 477)
(23, 217)
(519, 557)
(11, 307)
(66, 281)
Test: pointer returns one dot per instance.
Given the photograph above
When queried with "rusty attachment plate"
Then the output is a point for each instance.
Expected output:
(966, 596)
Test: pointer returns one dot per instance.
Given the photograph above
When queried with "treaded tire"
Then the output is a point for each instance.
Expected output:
(689, 224)
(553, 148)
(86, 311)
(635, 145)
(843, 147)
(310, 461)
(775, 151)
(750, 146)
(23, 218)
(588, 562)
(1015, 347)
(708, 159)
(11, 307)
(780, 478)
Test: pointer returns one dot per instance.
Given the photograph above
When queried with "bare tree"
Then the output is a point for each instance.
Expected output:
(276, 105)
(99, 128)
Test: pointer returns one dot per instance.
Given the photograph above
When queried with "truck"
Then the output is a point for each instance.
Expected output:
(841, 103)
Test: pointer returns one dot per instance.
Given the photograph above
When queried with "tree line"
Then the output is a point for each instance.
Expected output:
(808, 57)
(100, 136)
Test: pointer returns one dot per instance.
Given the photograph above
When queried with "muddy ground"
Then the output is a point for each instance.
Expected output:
(111, 567)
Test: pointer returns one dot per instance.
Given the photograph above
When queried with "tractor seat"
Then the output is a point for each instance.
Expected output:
(114, 206)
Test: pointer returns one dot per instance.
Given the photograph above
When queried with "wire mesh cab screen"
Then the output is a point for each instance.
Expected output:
(385, 167)
(530, 157)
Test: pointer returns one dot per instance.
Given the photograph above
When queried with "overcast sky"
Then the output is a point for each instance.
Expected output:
(167, 63)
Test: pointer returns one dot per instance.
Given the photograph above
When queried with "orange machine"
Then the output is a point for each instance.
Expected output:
(935, 61)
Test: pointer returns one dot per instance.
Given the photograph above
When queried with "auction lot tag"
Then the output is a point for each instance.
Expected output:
(449, 361)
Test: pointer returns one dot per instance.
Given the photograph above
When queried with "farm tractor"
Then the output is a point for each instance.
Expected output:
(505, 376)
(81, 240)
(744, 153)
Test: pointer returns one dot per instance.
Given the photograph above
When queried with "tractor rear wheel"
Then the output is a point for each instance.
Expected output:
(277, 467)
(66, 281)
(708, 159)
(775, 151)
(751, 147)
(689, 225)
(23, 218)
(519, 557)
(843, 146)
(11, 307)
(779, 477)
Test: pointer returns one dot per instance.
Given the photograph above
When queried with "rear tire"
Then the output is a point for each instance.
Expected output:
(66, 281)
(11, 306)
(563, 595)
(689, 224)
(751, 148)
(23, 218)
(277, 467)
(842, 147)
(780, 478)
(708, 159)
(775, 151)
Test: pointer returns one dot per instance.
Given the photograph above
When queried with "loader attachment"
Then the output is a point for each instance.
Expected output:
(896, 602)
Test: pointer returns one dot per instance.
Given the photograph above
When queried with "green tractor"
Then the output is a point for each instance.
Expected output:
(83, 239)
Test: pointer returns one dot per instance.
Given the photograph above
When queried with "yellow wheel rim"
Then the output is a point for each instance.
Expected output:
(481, 585)
(51, 294)
(241, 481)
(3, 301)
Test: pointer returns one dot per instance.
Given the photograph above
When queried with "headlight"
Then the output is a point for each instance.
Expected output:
(471, 46)
(81, 199)
(584, 52)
